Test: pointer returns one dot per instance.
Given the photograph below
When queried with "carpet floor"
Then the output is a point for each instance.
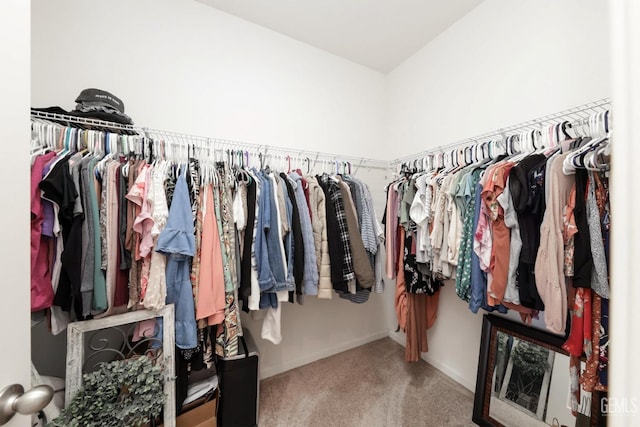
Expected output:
(367, 386)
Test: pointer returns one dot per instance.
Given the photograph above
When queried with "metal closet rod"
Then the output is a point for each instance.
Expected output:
(218, 143)
(577, 115)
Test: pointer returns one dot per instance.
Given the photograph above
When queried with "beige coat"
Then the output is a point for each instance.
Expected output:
(319, 225)
(549, 268)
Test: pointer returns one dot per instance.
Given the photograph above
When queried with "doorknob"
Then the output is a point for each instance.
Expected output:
(14, 399)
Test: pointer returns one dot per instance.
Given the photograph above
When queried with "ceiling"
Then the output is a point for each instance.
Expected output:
(379, 34)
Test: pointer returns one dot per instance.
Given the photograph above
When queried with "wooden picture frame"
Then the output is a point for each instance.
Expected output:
(493, 324)
(77, 346)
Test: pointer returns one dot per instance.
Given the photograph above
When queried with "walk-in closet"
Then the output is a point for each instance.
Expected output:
(354, 213)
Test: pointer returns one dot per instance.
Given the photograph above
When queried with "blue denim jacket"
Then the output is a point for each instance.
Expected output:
(265, 278)
(271, 266)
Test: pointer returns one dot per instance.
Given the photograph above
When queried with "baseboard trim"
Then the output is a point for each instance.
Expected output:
(269, 371)
(454, 375)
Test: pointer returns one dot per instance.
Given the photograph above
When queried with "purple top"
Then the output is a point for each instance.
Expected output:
(47, 206)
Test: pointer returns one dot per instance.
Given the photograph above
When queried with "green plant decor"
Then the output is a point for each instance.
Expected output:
(531, 359)
(126, 392)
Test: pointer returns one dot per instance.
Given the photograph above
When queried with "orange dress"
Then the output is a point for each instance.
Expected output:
(499, 261)
(401, 290)
(210, 302)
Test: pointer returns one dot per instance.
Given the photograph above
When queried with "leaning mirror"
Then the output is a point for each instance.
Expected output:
(524, 380)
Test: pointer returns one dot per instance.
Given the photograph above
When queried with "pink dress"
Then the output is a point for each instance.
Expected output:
(143, 223)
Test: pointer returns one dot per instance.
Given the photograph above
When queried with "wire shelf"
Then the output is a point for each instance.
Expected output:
(217, 143)
(576, 115)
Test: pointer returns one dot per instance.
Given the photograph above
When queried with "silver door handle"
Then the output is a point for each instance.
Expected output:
(14, 399)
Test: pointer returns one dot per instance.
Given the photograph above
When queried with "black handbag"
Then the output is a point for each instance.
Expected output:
(239, 387)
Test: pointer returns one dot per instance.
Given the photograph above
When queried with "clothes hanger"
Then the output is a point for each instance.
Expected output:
(447, 160)
(598, 159)
(74, 140)
(38, 145)
(105, 155)
(487, 156)
(538, 144)
(509, 142)
(93, 144)
(203, 161)
(514, 150)
(440, 160)
(468, 155)
(241, 175)
(576, 158)
(64, 142)
(83, 142)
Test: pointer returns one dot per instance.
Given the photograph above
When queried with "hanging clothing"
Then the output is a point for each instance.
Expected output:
(310, 275)
(583, 260)
(211, 292)
(549, 267)
(156, 294)
(318, 214)
(527, 190)
(511, 294)
(247, 259)
(127, 232)
(295, 239)
(177, 242)
(362, 268)
(339, 248)
(463, 278)
(41, 287)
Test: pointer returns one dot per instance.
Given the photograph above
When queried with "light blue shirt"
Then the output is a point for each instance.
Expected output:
(177, 242)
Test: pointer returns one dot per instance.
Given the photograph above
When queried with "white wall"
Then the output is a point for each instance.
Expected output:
(15, 250)
(503, 63)
(183, 66)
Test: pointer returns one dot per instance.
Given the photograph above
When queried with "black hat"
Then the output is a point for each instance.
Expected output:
(97, 97)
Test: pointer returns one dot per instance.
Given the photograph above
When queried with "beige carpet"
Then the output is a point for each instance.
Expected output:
(367, 386)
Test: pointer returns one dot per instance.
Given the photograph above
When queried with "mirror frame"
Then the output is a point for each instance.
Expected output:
(76, 338)
(491, 325)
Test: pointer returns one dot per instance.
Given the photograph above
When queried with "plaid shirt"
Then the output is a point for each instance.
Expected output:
(336, 198)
